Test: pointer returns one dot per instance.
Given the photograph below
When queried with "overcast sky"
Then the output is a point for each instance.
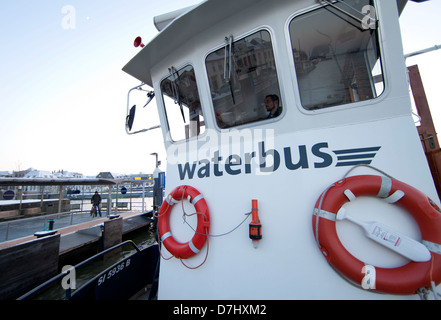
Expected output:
(63, 94)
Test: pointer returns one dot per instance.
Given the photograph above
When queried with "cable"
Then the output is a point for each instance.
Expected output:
(370, 167)
(184, 216)
(214, 235)
(206, 256)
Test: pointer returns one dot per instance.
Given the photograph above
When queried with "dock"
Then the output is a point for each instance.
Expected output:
(75, 234)
(34, 252)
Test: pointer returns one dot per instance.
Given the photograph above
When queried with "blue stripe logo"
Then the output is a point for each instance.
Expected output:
(353, 157)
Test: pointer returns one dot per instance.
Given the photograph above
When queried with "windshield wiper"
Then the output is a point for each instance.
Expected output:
(228, 48)
(150, 96)
(176, 91)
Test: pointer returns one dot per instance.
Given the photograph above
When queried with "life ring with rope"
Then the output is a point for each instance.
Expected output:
(194, 246)
(407, 279)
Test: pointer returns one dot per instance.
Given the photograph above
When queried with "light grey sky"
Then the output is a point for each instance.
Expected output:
(63, 93)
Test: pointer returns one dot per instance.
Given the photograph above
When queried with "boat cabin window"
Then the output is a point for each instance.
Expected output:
(337, 58)
(243, 81)
(182, 104)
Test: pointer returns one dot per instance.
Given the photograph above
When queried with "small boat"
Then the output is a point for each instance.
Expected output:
(295, 169)
(274, 118)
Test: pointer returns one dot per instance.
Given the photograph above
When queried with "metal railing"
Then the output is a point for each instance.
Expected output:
(68, 292)
(14, 229)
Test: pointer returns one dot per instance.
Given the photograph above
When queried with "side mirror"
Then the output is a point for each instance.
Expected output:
(130, 118)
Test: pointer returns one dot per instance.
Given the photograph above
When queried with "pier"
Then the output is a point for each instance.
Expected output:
(58, 195)
(132, 221)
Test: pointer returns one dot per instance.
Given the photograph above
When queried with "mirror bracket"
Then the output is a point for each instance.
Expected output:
(130, 118)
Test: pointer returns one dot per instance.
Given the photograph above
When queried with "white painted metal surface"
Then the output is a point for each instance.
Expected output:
(287, 263)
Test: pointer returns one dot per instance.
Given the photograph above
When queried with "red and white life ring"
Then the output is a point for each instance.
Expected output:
(192, 247)
(406, 279)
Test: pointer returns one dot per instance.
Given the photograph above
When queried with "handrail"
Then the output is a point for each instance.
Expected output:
(44, 217)
(43, 286)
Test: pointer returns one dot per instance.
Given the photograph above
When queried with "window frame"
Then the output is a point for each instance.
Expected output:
(347, 105)
(164, 109)
(276, 65)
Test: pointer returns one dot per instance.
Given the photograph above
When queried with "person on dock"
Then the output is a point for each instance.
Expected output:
(96, 202)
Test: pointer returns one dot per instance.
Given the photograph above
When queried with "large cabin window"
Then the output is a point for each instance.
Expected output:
(337, 58)
(243, 81)
(182, 104)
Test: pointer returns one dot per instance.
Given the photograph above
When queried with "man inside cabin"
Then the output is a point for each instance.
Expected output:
(96, 201)
(272, 106)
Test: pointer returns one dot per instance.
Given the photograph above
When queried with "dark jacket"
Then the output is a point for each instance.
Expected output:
(96, 199)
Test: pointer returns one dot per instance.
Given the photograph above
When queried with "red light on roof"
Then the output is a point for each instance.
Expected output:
(138, 43)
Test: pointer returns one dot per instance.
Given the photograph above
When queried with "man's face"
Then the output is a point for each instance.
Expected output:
(269, 104)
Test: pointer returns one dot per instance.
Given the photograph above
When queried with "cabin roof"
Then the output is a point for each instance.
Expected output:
(175, 34)
(184, 27)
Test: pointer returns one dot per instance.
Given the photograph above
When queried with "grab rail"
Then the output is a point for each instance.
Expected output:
(31, 294)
